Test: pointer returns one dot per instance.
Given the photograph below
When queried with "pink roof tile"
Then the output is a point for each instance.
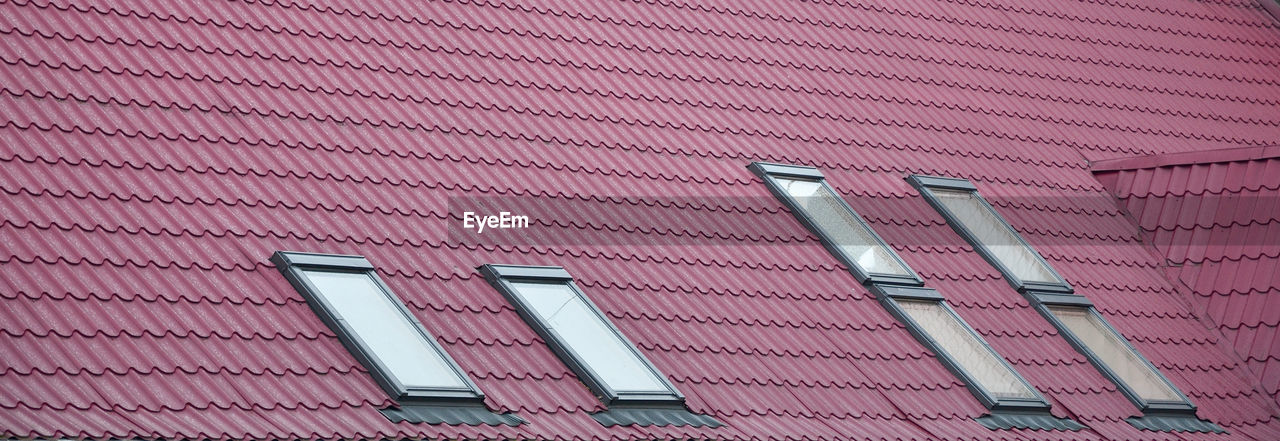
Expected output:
(153, 155)
(1229, 260)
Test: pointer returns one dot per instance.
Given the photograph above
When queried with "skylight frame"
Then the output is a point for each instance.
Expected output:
(890, 296)
(1042, 302)
(890, 289)
(926, 184)
(1164, 415)
(770, 173)
(502, 277)
(293, 265)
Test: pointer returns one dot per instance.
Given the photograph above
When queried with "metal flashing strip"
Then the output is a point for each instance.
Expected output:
(1054, 298)
(317, 260)
(1038, 420)
(549, 273)
(918, 181)
(653, 416)
(1173, 422)
(763, 169)
(470, 415)
(907, 292)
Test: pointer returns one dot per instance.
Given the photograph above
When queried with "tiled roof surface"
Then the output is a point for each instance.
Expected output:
(1216, 217)
(154, 154)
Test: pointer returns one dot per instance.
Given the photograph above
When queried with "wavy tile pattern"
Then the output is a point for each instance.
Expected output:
(154, 154)
(1215, 217)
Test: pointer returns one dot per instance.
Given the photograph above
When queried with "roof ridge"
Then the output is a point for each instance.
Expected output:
(1255, 152)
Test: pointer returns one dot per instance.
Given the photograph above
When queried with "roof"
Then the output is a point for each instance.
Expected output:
(1215, 218)
(154, 155)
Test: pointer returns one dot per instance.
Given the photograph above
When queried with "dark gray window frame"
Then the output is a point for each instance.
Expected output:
(1042, 302)
(1006, 413)
(889, 297)
(924, 184)
(769, 172)
(502, 277)
(292, 265)
(1166, 416)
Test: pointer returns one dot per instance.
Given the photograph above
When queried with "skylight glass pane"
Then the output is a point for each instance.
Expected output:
(955, 339)
(382, 327)
(586, 334)
(995, 235)
(1111, 348)
(842, 226)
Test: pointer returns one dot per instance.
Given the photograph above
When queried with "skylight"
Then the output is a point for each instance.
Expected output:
(635, 392)
(960, 343)
(924, 311)
(399, 345)
(839, 223)
(989, 234)
(579, 332)
(1115, 353)
(842, 231)
(994, 235)
(379, 331)
(375, 326)
(582, 330)
(1073, 315)
(991, 379)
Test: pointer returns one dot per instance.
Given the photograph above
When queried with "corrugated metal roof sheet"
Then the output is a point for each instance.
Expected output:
(153, 155)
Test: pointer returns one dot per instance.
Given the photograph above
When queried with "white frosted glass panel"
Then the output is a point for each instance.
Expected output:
(1113, 352)
(589, 337)
(974, 357)
(842, 226)
(1001, 240)
(381, 326)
